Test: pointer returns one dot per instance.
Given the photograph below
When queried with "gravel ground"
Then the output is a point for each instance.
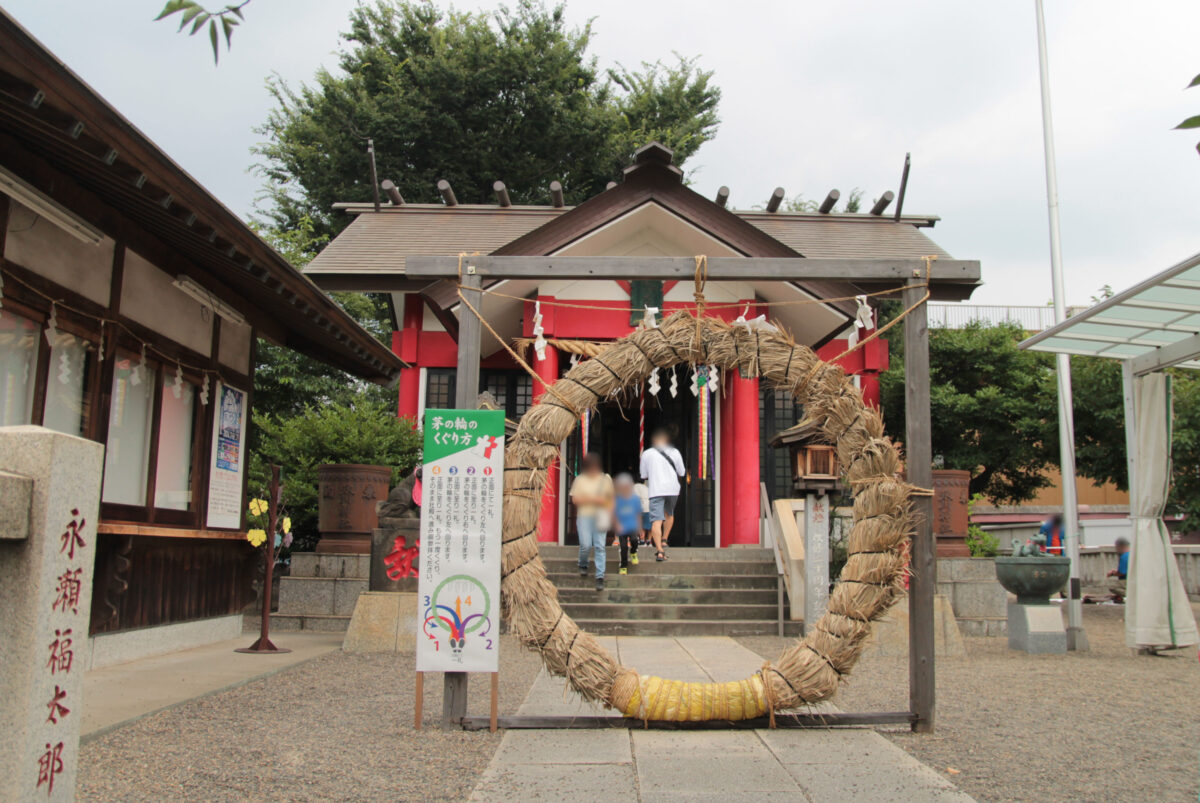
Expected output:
(338, 727)
(1101, 725)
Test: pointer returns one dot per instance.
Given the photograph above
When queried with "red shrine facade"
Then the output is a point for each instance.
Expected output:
(723, 430)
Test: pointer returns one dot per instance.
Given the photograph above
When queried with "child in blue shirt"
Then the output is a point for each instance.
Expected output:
(627, 510)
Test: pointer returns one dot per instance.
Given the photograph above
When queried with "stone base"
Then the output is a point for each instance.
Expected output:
(1036, 629)
(383, 621)
(890, 636)
(344, 543)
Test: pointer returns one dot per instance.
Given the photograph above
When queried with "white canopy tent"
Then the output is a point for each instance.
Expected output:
(1150, 327)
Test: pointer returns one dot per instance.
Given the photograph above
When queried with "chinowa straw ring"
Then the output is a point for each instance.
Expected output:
(872, 580)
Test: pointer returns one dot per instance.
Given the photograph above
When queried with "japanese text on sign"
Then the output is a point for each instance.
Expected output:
(459, 585)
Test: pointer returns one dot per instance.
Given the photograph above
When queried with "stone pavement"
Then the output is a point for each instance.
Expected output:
(119, 694)
(718, 765)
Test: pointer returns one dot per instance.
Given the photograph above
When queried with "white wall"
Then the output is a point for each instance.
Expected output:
(149, 297)
(42, 247)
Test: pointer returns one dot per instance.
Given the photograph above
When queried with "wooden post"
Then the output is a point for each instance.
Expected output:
(919, 465)
(419, 701)
(263, 644)
(495, 712)
(466, 392)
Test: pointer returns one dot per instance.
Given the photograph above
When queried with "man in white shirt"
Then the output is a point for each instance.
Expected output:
(661, 467)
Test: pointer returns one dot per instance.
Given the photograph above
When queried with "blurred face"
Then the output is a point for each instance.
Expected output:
(625, 488)
(591, 465)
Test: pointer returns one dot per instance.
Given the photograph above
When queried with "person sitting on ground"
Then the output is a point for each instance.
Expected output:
(643, 494)
(661, 467)
(1116, 585)
(592, 495)
(627, 511)
(1053, 530)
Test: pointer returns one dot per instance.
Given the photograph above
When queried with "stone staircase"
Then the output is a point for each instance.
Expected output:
(695, 592)
(321, 591)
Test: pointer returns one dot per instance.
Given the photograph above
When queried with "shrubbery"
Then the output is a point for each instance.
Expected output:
(366, 432)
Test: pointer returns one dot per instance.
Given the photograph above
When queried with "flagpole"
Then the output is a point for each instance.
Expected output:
(1076, 637)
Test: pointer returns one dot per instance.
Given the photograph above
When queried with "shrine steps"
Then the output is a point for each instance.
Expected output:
(695, 592)
(321, 591)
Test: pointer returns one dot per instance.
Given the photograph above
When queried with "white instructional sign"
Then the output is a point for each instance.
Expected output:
(462, 482)
(228, 459)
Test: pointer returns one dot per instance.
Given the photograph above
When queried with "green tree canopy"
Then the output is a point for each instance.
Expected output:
(472, 98)
(286, 383)
(993, 408)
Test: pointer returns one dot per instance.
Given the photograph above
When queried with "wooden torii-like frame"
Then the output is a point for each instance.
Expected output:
(952, 279)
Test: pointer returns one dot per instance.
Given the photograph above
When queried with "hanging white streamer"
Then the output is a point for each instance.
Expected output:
(539, 340)
(204, 392)
(863, 319)
(177, 385)
(64, 367)
(653, 385)
(714, 376)
(52, 325)
(100, 347)
(650, 318)
(139, 370)
(695, 386)
(674, 384)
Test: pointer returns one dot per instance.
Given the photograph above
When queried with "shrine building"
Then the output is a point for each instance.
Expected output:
(131, 301)
(650, 212)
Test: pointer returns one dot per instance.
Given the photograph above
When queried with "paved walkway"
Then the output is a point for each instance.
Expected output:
(725, 766)
(120, 694)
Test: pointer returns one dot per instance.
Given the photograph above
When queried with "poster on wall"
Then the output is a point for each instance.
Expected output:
(228, 459)
(459, 580)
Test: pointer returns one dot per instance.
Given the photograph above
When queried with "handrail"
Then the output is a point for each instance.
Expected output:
(768, 522)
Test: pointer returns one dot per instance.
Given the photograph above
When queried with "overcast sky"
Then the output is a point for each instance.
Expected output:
(816, 95)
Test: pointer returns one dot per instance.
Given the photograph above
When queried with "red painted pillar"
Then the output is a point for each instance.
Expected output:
(725, 533)
(746, 448)
(547, 370)
(405, 346)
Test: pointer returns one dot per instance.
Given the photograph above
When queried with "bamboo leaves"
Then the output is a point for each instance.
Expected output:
(191, 12)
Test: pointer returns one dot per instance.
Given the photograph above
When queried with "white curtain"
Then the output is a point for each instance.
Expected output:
(1157, 612)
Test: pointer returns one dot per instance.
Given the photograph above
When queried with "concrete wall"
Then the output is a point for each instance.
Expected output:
(129, 645)
(1096, 562)
(977, 598)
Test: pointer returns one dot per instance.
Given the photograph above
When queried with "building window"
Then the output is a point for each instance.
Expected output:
(523, 397)
(68, 386)
(439, 388)
(127, 452)
(778, 411)
(173, 474)
(19, 339)
(513, 390)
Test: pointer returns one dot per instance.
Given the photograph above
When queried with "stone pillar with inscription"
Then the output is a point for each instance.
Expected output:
(816, 557)
(951, 514)
(49, 507)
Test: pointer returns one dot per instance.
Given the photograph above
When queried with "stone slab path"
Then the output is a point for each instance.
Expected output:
(122, 693)
(656, 765)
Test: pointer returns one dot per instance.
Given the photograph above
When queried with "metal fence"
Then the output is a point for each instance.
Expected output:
(957, 316)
